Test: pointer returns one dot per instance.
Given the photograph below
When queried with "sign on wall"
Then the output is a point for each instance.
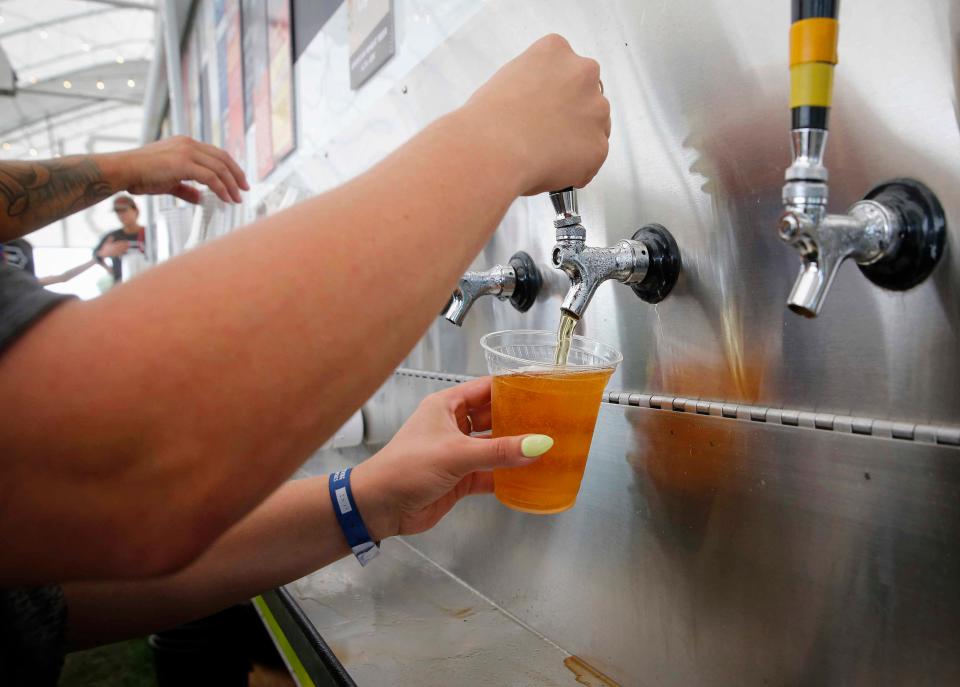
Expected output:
(372, 37)
(230, 77)
(280, 47)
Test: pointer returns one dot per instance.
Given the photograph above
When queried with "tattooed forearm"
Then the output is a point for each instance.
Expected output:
(34, 194)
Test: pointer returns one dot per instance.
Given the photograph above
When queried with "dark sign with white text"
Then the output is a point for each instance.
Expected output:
(372, 38)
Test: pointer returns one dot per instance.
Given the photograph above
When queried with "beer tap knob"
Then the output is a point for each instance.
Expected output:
(518, 281)
(896, 234)
(649, 261)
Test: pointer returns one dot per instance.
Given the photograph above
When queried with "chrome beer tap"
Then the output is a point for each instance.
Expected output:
(895, 234)
(519, 281)
(649, 261)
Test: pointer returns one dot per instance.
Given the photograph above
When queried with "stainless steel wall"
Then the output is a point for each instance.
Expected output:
(699, 92)
(713, 551)
(707, 550)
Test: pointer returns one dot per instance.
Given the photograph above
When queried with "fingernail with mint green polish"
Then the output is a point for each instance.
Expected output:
(536, 445)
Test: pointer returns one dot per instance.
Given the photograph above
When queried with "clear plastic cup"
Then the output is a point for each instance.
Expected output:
(533, 395)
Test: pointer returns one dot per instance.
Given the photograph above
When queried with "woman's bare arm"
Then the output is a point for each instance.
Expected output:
(406, 488)
(217, 373)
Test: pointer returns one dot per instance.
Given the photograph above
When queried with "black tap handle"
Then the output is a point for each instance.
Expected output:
(528, 281)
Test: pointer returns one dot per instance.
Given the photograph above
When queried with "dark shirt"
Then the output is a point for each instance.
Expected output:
(32, 620)
(116, 264)
(22, 302)
(32, 636)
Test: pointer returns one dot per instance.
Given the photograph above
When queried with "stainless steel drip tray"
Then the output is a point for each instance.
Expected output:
(403, 620)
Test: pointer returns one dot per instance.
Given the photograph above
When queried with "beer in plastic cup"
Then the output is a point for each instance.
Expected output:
(533, 395)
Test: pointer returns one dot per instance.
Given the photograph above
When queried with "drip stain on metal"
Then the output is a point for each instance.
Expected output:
(587, 674)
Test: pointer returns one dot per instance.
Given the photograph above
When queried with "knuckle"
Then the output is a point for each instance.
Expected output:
(555, 41)
(427, 403)
(501, 455)
(591, 68)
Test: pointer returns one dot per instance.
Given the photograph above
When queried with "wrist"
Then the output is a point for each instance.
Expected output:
(374, 503)
(499, 145)
(116, 170)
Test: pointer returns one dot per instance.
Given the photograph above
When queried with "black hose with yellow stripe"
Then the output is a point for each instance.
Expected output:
(813, 54)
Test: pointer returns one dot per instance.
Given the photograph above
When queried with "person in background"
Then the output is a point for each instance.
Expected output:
(19, 253)
(130, 232)
(233, 381)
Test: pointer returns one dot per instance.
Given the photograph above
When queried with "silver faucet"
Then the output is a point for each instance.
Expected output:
(519, 281)
(895, 234)
(649, 262)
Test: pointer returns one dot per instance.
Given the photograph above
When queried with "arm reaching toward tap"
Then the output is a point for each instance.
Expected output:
(406, 488)
(232, 381)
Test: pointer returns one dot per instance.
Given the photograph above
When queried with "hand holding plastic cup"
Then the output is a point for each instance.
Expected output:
(533, 395)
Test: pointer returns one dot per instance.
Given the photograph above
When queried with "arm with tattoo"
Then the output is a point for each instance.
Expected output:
(34, 194)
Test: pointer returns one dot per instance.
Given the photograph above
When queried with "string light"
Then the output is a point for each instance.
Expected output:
(33, 152)
(100, 86)
(6, 146)
(120, 59)
(131, 83)
(67, 84)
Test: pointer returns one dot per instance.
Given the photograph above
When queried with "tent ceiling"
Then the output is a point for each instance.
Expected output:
(73, 59)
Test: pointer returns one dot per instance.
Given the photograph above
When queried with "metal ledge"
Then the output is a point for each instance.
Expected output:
(903, 430)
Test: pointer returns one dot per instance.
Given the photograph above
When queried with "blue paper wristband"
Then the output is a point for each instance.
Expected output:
(345, 508)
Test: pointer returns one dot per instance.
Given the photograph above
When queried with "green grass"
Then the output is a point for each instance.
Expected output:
(125, 664)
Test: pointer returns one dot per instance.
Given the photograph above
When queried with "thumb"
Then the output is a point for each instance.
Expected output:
(506, 452)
